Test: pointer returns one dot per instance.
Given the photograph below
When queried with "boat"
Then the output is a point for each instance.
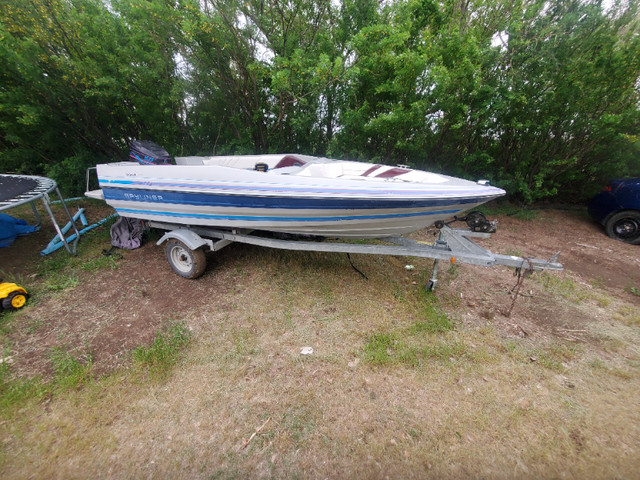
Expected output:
(289, 193)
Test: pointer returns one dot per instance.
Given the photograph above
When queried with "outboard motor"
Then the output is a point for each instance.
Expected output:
(146, 152)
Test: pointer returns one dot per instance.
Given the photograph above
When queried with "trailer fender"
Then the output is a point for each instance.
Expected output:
(188, 237)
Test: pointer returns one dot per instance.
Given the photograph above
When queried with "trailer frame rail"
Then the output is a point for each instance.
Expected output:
(453, 245)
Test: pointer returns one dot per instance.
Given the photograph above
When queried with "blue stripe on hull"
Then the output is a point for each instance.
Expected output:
(134, 212)
(270, 189)
(242, 201)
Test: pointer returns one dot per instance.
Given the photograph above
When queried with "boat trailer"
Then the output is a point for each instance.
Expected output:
(185, 249)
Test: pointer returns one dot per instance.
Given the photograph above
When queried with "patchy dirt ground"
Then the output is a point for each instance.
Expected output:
(112, 311)
(602, 269)
(109, 312)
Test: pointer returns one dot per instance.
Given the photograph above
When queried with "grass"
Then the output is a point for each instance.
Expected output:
(73, 369)
(564, 286)
(89, 257)
(100, 263)
(389, 348)
(429, 390)
(419, 404)
(59, 271)
(511, 210)
(603, 301)
(60, 281)
(555, 357)
(9, 278)
(422, 340)
(70, 371)
(432, 318)
(164, 352)
(56, 273)
(632, 290)
(627, 314)
(380, 347)
(16, 392)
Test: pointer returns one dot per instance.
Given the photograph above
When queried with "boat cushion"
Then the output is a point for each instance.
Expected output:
(290, 161)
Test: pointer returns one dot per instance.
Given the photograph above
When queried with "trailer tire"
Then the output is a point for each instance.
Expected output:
(185, 262)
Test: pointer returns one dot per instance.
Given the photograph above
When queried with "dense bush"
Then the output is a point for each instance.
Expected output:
(541, 97)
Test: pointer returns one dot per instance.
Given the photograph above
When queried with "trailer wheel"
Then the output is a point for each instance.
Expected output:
(14, 301)
(185, 262)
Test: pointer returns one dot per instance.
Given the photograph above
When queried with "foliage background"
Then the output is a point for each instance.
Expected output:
(541, 97)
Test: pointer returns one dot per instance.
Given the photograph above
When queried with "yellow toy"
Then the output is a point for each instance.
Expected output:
(12, 296)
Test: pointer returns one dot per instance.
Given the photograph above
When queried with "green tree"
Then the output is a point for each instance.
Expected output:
(563, 90)
(539, 96)
(80, 81)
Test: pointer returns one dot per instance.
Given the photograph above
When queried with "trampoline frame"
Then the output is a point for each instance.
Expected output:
(41, 191)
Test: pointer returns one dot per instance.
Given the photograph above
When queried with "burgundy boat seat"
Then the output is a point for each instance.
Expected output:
(290, 161)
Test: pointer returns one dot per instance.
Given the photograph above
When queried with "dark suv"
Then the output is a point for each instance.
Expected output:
(617, 207)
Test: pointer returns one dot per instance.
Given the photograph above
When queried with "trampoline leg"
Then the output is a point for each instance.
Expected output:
(71, 249)
(36, 214)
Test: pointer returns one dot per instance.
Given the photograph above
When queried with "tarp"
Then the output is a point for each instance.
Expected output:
(11, 227)
(127, 233)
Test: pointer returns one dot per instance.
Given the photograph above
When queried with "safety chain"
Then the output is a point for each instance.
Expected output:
(521, 276)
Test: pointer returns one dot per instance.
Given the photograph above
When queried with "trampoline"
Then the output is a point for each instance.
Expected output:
(16, 190)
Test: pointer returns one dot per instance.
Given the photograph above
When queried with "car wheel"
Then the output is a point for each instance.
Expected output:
(624, 226)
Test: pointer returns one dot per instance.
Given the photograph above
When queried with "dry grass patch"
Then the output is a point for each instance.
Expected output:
(627, 314)
(324, 416)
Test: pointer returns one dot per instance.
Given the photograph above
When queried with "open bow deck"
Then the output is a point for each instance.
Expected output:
(294, 194)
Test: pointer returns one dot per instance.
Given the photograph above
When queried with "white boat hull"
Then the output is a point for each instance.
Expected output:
(334, 199)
